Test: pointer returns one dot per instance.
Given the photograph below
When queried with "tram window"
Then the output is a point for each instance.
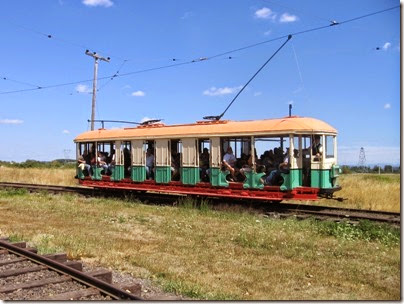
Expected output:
(329, 146)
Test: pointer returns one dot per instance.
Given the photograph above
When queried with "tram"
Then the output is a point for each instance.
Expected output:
(188, 159)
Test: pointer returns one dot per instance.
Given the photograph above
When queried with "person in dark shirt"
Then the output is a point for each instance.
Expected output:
(317, 148)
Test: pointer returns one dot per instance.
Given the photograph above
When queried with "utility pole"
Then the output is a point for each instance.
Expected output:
(96, 59)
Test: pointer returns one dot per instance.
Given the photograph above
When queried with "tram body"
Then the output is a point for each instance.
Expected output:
(308, 177)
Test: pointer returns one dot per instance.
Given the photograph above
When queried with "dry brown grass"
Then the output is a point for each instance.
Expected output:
(207, 254)
(63, 177)
(366, 191)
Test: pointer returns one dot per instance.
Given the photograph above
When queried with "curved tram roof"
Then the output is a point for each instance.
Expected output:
(225, 128)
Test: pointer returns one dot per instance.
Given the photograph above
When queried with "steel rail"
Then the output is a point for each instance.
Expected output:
(77, 275)
(381, 216)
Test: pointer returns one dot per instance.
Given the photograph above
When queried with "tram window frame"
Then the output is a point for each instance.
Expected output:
(237, 144)
(329, 146)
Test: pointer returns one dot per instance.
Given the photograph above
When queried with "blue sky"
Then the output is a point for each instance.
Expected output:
(347, 75)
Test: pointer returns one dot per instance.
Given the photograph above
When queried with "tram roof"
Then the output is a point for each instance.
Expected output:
(223, 128)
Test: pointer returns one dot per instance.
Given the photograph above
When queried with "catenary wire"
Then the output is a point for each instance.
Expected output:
(50, 36)
(298, 11)
(21, 82)
(256, 73)
(210, 57)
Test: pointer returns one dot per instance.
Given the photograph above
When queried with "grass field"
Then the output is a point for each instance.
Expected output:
(365, 191)
(207, 254)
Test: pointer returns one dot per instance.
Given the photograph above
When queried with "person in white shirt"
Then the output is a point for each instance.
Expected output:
(229, 162)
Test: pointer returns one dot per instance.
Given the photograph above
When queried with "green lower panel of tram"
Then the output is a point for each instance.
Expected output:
(321, 178)
(162, 175)
(138, 173)
(253, 180)
(80, 174)
(117, 172)
(292, 179)
(325, 179)
(96, 173)
(218, 177)
(190, 175)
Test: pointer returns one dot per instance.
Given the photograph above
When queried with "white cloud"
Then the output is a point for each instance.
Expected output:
(104, 3)
(138, 94)
(265, 13)
(11, 121)
(257, 93)
(213, 91)
(66, 132)
(386, 46)
(82, 88)
(268, 32)
(288, 18)
(387, 106)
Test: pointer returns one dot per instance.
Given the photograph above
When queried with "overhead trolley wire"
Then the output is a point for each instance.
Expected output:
(50, 36)
(298, 11)
(242, 89)
(334, 23)
(21, 82)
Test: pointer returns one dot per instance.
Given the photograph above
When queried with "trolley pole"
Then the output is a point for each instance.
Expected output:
(96, 59)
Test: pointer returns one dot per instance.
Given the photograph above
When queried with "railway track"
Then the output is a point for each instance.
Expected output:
(25, 275)
(283, 209)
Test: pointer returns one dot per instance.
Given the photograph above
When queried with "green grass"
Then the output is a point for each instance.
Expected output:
(208, 254)
(365, 230)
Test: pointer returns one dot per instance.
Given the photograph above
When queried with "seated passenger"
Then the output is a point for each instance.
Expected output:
(274, 176)
(126, 161)
(111, 162)
(149, 164)
(102, 162)
(248, 167)
(83, 165)
(317, 148)
(204, 164)
(229, 162)
(175, 166)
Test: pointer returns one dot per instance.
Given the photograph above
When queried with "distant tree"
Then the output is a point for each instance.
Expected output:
(388, 169)
(346, 170)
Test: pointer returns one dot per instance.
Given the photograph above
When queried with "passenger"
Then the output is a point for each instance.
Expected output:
(102, 162)
(204, 160)
(126, 161)
(248, 167)
(175, 166)
(83, 165)
(111, 162)
(149, 164)
(274, 176)
(229, 162)
(317, 148)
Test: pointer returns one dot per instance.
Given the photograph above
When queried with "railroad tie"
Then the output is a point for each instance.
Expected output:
(37, 283)
(15, 272)
(12, 261)
(72, 295)
(102, 274)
